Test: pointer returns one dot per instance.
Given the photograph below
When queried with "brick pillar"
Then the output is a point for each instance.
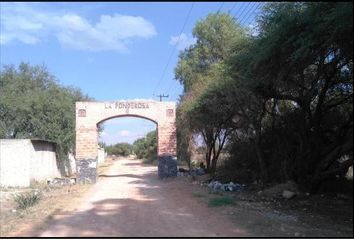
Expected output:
(86, 154)
(167, 150)
(167, 140)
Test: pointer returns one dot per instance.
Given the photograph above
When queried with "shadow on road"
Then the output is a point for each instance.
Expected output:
(120, 175)
(147, 207)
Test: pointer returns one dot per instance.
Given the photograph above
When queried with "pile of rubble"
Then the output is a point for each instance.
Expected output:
(230, 187)
(61, 181)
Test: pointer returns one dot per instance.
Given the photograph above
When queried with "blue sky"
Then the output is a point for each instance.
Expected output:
(111, 51)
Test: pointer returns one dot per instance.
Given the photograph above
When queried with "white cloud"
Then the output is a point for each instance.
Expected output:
(182, 41)
(124, 133)
(21, 23)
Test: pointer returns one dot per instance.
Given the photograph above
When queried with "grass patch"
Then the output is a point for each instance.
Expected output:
(221, 201)
(27, 199)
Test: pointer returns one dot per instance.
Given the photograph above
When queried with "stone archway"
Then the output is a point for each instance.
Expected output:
(90, 114)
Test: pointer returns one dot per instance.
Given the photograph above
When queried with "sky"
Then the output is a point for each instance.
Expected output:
(110, 50)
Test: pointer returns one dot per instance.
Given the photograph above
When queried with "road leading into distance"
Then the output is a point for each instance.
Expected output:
(130, 201)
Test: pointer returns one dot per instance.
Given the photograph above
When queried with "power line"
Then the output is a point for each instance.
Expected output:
(242, 11)
(233, 6)
(173, 50)
(254, 11)
(250, 11)
(247, 13)
(222, 4)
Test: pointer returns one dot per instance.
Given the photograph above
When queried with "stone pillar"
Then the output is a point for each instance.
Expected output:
(167, 160)
(86, 155)
(167, 166)
(86, 171)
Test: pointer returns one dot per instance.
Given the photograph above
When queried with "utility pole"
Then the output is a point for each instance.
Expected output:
(161, 96)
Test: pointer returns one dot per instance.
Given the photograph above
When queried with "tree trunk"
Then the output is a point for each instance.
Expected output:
(261, 162)
(320, 174)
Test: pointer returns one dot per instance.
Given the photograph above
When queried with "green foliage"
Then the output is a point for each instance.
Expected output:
(221, 201)
(300, 67)
(146, 148)
(34, 105)
(201, 63)
(202, 70)
(120, 149)
(285, 94)
(27, 199)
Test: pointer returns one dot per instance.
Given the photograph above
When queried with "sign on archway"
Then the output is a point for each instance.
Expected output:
(90, 114)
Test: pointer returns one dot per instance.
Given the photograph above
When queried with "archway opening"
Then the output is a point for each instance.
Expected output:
(127, 136)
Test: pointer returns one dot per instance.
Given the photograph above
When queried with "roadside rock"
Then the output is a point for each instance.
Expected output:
(231, 187)
(288, 194)
(61, 181)
(279, 189)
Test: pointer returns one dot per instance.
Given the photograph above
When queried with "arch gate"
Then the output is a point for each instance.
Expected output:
(90, 114)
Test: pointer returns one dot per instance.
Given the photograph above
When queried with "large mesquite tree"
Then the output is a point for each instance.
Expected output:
(34, 105)
(302, 59)
(200, 69)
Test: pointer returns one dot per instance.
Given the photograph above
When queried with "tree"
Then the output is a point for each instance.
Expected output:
(34, 105)
(120, 149)
(146, 148)
(200, 69)
(301, 65)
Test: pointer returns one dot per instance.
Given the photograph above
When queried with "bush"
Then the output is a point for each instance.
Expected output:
(146, 148)
(120, 149)
(27, 199)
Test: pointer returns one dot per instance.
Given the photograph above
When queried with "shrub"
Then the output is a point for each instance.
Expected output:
(27, 199)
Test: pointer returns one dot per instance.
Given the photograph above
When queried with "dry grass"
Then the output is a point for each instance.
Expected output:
(17, 222)
(56, 198)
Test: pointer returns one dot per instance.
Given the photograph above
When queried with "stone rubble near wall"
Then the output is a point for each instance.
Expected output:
(167, 166)
(86, 171)
(60, 181)
(230, 187)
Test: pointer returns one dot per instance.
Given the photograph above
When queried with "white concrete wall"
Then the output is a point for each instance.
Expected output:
(14, 162)
(101, 155)
(43, 161)
(23, 160)
(72, 163)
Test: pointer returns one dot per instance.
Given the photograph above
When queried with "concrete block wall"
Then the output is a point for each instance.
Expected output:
(24, 160)
(101, 155)
(14, 162)
(72, 161)
(43, 161)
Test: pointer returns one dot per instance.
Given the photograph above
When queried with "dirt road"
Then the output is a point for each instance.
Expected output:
(130, 201)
